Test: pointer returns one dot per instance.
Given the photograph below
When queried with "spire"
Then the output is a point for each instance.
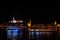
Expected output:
(29, 23)
(13, 21)
(55, 22)
(13, 18)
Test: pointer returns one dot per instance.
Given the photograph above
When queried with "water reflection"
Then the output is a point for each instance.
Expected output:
(13, 33)
(34, 34)
(37, 35)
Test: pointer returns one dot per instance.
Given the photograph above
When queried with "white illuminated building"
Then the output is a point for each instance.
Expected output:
(16, 21)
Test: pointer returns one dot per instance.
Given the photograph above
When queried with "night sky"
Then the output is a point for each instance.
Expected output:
(38, 15)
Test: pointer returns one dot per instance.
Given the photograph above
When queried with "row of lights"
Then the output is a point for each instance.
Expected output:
(15, 21)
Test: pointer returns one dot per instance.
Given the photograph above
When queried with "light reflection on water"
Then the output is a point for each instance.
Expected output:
(34, 35)
(12, 34)
(37, 35)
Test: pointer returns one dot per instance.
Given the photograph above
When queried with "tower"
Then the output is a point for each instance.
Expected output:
(13, 18)
(55, 22)
(29, 24)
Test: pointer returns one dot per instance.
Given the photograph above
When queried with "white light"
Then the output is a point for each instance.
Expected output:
(21, 21)
(36, 29)
(32, 30)
(14, 21)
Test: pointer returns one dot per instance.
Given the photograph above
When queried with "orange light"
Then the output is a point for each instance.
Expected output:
(58, 25)
(29, 29)
(29, 23)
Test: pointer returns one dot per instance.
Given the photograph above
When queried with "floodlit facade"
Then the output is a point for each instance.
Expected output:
(18, 29)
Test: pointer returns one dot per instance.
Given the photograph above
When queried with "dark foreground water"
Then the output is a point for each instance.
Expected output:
(18, 34)
(29, 36)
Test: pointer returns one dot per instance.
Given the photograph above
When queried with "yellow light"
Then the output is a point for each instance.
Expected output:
(58, 25)
(29, 24)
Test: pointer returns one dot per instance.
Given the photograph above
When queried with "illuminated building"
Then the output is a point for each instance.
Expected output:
(29, 25)
(34, 31)
(16, 21)
(14, 29)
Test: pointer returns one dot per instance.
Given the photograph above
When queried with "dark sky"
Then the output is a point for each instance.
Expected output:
(41, 15)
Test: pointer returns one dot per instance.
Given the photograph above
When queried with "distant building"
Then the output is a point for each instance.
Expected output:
(16, 22)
